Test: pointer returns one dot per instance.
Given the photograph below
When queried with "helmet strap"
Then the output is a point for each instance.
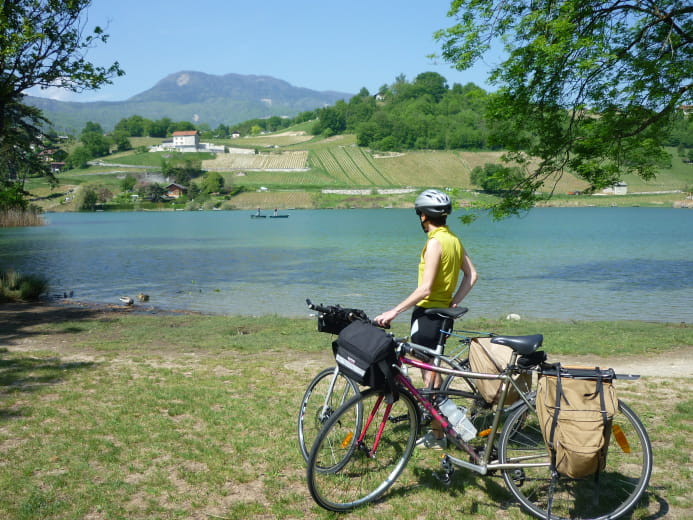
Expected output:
(423, 221)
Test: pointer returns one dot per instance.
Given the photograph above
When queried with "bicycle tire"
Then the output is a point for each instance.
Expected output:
(360, 478)
(612, 493)
(317, 406)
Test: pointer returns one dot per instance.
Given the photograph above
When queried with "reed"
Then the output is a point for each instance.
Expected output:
(20, 217)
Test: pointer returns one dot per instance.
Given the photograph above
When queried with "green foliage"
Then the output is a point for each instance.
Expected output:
(424, 114)
(128, 183)
(79, 157)
(212, 182)
(585, 86)
(154, 192)
(42, 44)
(496, 178)
(182, 167)
(11, 196)
(18, 287)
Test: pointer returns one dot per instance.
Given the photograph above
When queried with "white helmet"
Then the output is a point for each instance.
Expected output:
(433, 203)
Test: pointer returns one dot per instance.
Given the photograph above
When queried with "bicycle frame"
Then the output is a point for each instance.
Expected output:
(481, 464)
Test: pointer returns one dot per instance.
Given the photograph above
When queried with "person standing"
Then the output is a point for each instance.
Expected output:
(442, 259)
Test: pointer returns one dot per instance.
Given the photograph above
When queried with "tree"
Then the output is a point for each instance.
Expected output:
(495, 178)
(212, 182)
(585, 86)
(79, 157)
(20, 144)
(128, 183)
(42, 44)
(93, 140)
(121, 141)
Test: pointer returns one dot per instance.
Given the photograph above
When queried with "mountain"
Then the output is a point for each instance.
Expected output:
(196, 97)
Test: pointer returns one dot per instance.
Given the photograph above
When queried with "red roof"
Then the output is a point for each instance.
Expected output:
(185, 132)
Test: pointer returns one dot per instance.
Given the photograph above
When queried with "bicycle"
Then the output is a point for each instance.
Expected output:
(372, 452)
(330, 388)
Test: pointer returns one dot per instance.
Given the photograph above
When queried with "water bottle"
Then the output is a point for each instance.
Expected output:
(457, 415)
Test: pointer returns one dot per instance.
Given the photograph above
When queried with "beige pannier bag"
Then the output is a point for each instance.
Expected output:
(488, 358)
(575, 409)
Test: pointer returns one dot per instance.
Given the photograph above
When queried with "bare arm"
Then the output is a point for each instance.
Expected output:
(469, 278)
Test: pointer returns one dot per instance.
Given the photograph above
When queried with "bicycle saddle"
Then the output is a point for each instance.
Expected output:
(447, 312)
(521, 344)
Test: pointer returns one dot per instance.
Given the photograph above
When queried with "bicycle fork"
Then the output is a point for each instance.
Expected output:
(360, 441)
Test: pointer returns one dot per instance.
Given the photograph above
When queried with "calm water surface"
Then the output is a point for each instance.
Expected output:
(584, 264)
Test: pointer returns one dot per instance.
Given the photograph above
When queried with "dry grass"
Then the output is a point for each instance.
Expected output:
(270, 200)
(16, 218)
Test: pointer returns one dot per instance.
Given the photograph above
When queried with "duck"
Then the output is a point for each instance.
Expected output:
(141, 297)
(126, 300)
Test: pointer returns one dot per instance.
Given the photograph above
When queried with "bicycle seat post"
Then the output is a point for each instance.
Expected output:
(442, 337)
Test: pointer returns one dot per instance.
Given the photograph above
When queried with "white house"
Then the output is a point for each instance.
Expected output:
(620, 188)
(186, 139)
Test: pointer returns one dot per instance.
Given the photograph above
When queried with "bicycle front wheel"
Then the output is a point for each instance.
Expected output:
(329, 390)
(348, 468)
(608, 495)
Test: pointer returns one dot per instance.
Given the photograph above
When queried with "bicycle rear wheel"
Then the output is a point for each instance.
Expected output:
(329, 390)
(344, 473)
(608, 495)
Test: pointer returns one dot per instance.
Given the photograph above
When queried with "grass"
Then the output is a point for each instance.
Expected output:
(15, 286)
(110, 415)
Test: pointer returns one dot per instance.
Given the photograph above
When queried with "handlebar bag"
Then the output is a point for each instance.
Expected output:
(336, 318)
(366, 354)
(575, 407)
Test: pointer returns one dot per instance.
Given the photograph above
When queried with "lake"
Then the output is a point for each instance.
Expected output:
(563, 263)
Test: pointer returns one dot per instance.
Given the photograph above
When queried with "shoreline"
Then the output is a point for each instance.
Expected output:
(17, 320)
(140, 309)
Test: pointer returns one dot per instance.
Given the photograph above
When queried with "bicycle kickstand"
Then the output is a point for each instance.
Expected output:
(447, 470)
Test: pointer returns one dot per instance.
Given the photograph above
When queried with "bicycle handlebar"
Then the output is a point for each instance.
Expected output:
(343, 313)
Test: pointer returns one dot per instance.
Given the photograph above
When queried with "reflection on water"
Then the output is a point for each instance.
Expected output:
(588, 263)
(638, 274)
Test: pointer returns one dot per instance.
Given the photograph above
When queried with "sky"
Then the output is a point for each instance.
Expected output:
(317, 44)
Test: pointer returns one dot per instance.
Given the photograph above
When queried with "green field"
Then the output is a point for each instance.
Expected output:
(123, 415)
(293, 161)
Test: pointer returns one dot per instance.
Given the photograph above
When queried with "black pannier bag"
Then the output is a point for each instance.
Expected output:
(365, 354)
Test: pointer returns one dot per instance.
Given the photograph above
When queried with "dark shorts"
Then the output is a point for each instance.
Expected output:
(428, 330)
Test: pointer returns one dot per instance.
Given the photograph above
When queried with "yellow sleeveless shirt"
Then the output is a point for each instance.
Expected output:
(445, 282)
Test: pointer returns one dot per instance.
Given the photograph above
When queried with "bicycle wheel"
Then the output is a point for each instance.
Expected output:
(610, 494)
(329, 390)
(361, 475)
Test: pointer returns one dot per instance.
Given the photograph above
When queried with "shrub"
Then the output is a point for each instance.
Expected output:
(17, 287)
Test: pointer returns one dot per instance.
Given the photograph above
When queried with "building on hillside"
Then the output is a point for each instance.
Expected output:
(175, 191)
(186, 139)
(57, 167)
(620, 188)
